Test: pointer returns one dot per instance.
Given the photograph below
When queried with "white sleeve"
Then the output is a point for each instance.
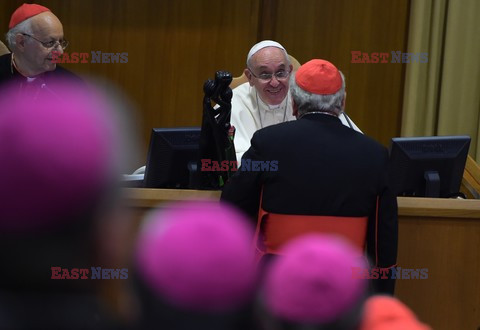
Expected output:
(347, 121)
(242, 118)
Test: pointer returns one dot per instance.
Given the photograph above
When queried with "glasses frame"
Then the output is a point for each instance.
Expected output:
(272, 75)
(63, 43)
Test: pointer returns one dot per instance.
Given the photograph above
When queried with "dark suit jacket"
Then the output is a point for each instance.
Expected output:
(9, 74)
(324, 168)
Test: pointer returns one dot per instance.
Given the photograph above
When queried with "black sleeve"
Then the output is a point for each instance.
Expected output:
(244, 187)
(382, 235)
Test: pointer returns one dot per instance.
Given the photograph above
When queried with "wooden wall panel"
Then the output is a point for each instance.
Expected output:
(331, 29)
(174, 46)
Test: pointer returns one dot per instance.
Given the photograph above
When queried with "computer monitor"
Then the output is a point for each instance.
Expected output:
(428, 166)
(172, 157)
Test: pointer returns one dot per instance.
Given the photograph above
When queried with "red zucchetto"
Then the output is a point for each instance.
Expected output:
(24, 12)
(319, 77)
(385, 312)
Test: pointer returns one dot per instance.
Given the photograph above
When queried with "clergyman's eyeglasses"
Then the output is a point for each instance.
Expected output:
(50, 44)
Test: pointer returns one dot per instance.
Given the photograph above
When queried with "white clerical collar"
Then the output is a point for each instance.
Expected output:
(13, 64)
(268, 114)
(270, 107)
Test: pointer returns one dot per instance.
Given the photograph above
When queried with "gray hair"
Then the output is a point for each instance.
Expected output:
(308, 102)
(23, 27)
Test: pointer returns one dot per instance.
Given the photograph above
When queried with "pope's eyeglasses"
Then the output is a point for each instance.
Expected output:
(266, 77)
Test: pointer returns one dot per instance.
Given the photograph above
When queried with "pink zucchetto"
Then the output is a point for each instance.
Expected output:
(319, 77)
(311, 282)
(197, 256)
(56, 152)
(24, 12)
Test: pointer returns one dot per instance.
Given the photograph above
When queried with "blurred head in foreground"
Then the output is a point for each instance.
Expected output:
(58, 156)
(195, 267)
(59, 164)
(389, 313)
(311, 286)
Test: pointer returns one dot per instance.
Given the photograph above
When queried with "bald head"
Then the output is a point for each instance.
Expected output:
(46, 23)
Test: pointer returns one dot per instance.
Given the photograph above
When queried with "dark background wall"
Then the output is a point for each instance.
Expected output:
(174, 46)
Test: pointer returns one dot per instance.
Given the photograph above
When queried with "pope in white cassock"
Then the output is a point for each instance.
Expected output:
(264, 100)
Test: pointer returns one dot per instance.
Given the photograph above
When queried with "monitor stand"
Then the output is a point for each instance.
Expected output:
(432, 184)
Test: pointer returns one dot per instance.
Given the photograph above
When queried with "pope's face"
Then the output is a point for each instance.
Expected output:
(269, 60)
(45, 27)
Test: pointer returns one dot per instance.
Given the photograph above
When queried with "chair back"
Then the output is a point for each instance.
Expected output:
(3, 49)
(277, 229)
(237, 81)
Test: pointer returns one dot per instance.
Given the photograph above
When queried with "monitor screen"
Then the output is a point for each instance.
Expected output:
(428, 166)
(172, 157)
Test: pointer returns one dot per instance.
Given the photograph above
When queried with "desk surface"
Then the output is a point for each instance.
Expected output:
(145, 197)
(407, 206)
(438, 234)
(439, 207)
